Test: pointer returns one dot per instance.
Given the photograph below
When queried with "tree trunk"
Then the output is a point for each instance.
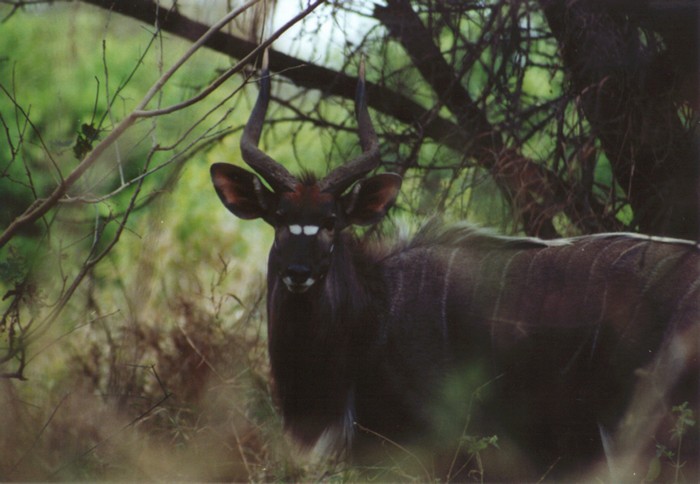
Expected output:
(617, 77)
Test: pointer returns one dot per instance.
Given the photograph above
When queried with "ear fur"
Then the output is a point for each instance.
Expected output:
(242, 192)
(368, 201)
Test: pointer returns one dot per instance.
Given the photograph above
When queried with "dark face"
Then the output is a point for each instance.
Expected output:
(305, 225)
(307, 221)
(307, 215)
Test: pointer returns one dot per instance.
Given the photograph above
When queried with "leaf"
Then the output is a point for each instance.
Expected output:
(654, 470)
(475, 445)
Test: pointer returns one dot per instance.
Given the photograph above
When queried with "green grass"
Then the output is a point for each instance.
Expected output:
(157, 368)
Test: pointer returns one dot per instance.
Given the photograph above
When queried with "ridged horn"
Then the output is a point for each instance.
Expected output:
(338, 180)
(272, 171)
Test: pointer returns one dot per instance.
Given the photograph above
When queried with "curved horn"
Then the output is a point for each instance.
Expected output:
(273, 172)
(338, 180)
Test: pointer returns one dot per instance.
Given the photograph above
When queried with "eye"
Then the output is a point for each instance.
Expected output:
(279, 217)
(328, 223)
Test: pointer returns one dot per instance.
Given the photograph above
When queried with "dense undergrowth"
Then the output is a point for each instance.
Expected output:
(157, 368)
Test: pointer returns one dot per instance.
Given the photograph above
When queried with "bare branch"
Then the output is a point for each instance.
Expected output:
(42, 206)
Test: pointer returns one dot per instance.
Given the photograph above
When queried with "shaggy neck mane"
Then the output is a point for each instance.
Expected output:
(316, 340)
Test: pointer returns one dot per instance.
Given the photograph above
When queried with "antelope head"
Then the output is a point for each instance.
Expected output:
(308, 215)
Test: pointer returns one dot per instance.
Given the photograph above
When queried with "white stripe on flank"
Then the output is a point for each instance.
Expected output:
(445, 292)
(502, 288)
(654, 276)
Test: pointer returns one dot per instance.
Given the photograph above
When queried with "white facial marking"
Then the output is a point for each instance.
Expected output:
(310, 229)
(297, 229)
(298, 288)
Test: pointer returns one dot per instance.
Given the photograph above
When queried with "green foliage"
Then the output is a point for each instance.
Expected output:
(12, 267)
(110, 380)
(683, 419)
(147, 359)
(474, 445)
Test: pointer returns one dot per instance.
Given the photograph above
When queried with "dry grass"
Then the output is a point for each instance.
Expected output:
(179, 390)
(181, 397)
(159, 371)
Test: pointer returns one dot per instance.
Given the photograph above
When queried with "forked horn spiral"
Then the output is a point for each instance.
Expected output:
(338, 180)
(272, 171)
(279, 178)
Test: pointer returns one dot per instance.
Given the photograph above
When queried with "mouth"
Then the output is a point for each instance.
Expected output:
(298, 287)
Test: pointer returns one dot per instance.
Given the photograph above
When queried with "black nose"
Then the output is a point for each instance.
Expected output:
(298, 273)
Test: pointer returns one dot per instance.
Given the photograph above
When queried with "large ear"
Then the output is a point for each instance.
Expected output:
(369, 199)
(242, 192)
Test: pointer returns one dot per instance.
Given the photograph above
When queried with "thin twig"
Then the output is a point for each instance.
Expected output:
(38, 436)
(403, 449)
(233, 70)
(139, 418)
(41, 206)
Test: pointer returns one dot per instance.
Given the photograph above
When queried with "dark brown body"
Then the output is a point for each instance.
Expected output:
(558, 335)
(573, 352)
